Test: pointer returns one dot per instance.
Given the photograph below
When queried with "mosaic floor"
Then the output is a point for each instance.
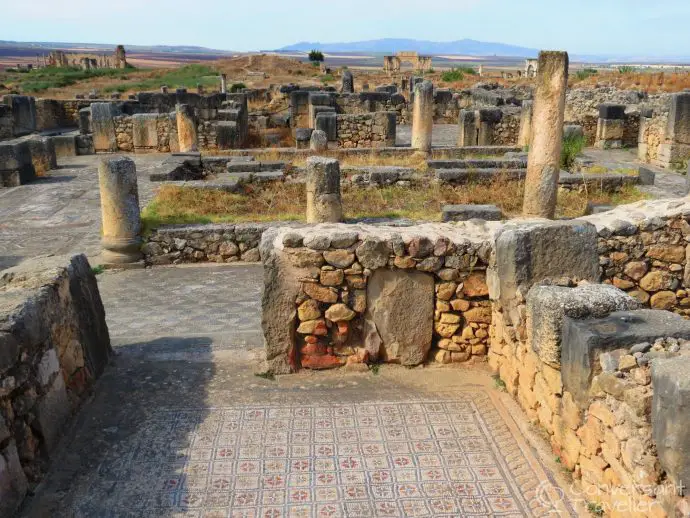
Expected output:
(179, 425)
(441, 458)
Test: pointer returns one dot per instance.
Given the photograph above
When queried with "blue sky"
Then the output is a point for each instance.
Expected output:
(623, 27)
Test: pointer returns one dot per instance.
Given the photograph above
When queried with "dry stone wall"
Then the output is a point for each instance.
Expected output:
(369, 130)
(353, 295)
(54, 343)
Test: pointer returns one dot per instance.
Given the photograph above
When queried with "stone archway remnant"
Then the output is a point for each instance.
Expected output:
(392, 64)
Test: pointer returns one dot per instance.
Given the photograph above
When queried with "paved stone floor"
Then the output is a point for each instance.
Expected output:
(60, 213)
(180, 426)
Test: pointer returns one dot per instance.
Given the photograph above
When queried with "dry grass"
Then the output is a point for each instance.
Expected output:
(650, 82)
(281, 202)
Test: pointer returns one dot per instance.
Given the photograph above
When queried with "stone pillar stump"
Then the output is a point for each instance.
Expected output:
(323, 190)
(423, 116)
(121, 221)
(186, 128)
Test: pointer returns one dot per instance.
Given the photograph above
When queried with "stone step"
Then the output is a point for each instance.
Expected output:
(479, 163)
(254, 167)
(463, 176)
(256, 177)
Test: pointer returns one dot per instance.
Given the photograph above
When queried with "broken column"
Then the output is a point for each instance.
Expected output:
(323, 190)
(120, 57)
(319, 141)
(543, 165)
(121, 235)
(675, 150)
(525, 124)
(423, 116)
(610, 126)
(103, 126)
(186, 128)
(223, 83)
(348, 83)
(467, 128)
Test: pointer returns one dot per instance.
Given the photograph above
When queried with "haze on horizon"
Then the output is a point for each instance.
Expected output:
(612, 27)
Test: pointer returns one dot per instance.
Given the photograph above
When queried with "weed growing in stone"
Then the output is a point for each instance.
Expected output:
(595, 509)
(499, 383)
(98, 269)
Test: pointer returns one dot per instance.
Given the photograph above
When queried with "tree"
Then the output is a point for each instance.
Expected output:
(316, 56)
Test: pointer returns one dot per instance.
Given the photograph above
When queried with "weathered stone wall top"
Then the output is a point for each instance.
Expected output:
(54, 343)
(628, 219)
(460, 234)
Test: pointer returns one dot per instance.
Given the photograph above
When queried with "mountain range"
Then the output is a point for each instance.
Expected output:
(392, 45)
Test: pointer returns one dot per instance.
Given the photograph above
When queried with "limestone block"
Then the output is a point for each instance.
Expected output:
(319, 141)
(23, 110)
(327, 122)
(226, 134)
(583, 340)
(678, 127)
(467, 126)
(144, 131)
(533, 252)
(547, 306)
(103, 126)
(85, 121)
(670, 417)
(400, 314)
(65, 145)
(467, 212)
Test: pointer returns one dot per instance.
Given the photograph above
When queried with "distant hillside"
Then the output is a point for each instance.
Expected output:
(392, 45)
(171, 49)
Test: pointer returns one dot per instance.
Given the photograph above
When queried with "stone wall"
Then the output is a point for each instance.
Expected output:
(643, 249)
(54, 343)
(370, 130)
(204, 243)
(506, 131)
(368, 102)
(347, 295)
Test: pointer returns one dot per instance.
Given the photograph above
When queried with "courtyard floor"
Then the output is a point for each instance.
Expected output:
(180, 426)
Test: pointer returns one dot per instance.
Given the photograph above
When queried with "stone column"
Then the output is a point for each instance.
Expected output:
(121, 222)
(423, 116)
(525, 124)
(323, 190)
(543, 165)
(223, 83)
(186, 128)
(348, 83)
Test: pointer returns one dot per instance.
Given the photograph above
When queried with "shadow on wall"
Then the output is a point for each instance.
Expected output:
(128, 452)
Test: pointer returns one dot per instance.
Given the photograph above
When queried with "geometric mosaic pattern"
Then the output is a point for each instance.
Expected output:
(442, 458)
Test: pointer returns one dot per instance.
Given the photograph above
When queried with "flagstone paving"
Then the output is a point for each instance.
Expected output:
(180, 427)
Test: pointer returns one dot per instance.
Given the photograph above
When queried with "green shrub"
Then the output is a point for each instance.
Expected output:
(236, 87)
(572, 147)
(316, 56)
(456, 74)
(327, 77)
(585, 73)
(626, 69)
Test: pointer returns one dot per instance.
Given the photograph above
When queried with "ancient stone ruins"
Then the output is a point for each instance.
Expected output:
(108, 407)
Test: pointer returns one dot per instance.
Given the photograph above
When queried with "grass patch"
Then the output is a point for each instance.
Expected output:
(327, 78)
(626, 69)
(595, 509)
(265, 375)
(287, 202)
(41, 79)
(374, 368)
(585, 73)
(572, 147)
(188, 76)
(499, 383)
(457, 74)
